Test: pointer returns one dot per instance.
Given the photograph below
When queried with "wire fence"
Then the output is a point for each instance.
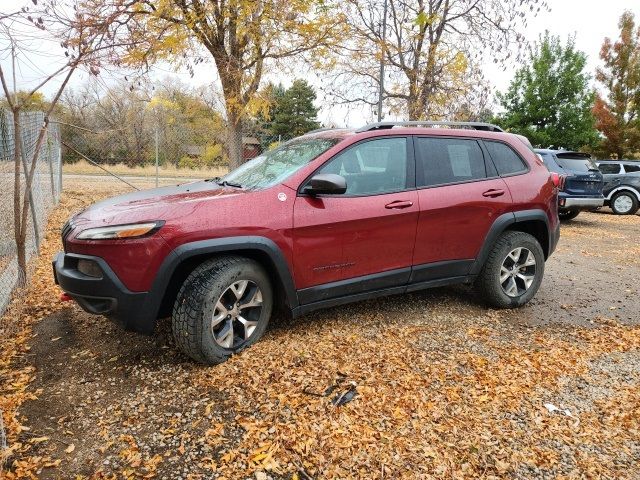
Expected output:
(45, 190)
(151, 142)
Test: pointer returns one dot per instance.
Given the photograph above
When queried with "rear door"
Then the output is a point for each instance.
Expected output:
(583, 176)
(368, 231)
(460, 196)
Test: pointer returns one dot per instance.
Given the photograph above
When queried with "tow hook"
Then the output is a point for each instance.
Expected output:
(65, 298)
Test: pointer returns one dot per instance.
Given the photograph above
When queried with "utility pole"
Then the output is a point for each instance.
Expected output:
(382, 52)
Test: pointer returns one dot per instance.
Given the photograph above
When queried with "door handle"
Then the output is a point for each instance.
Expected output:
(399, 204)
(493, 193)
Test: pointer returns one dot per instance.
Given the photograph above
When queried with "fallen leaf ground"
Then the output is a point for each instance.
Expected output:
(445, 388)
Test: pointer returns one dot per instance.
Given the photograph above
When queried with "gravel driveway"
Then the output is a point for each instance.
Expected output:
(444, 387)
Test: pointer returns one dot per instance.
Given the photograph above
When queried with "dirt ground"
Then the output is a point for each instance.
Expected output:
(445, 388)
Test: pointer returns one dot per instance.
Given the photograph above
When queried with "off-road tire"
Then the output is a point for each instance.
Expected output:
(487, 283)
(634, 203)
(194, 306)
(567, 215)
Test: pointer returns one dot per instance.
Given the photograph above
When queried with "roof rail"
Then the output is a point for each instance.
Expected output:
(430, 123)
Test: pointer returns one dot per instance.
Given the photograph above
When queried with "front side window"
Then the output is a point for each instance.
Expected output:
(448, 160)
(505, 159)
(609, 168)
(276, 165)
(372, 167)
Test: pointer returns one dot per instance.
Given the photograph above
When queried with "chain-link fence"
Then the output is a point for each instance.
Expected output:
(156, 145)
(45, 189)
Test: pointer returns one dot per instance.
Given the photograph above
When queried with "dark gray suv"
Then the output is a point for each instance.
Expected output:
(621, 185)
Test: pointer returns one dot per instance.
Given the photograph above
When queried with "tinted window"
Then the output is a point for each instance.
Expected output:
(632, 168)
(577, 163)
(506, 160)
(609, 168)
(448, 160)
(373, 167)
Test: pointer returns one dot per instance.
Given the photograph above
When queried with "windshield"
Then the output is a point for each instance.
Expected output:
(274, 166)
(577, 164)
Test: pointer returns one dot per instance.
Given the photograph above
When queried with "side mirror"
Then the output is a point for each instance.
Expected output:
(326, 183)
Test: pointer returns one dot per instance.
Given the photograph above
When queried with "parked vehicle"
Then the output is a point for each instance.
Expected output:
(621, 185)
(332, 217)
(583, 181)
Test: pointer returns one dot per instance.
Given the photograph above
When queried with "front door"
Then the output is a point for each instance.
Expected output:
(363, 238)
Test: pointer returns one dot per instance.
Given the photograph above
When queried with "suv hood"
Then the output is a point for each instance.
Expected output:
(164, 203)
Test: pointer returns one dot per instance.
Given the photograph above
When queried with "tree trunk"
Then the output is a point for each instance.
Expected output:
(234, 139)
(19, 230)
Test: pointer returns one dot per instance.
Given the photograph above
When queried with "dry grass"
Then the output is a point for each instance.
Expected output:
(85, 168)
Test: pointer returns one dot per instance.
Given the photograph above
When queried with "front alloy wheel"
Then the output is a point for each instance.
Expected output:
(624, 203)
(223, 306)
(236, 314)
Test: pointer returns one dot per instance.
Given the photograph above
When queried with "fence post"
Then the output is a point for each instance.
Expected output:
(59, 143)
(157, 161)
(31, 204)
(51, 178)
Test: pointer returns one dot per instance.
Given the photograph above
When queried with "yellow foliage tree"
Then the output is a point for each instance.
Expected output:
(243, 38)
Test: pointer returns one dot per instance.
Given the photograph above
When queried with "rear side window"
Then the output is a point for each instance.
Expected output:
(505, 159)
(609, 168)
(632, 168)
(448, 160)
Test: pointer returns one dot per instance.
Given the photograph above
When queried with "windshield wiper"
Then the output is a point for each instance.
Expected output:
(225, 183)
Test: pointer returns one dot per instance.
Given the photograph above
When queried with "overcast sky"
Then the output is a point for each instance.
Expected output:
(589, 20)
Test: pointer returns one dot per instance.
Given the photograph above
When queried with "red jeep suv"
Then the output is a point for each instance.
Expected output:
(332, 217)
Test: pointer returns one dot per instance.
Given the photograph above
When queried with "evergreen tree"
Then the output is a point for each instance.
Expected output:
(294, 113)
(550, 100)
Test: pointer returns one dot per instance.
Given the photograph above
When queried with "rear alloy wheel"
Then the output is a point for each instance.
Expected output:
(624, 203)
(518, 272)
(513, 271)
(566, 215)
(223, 307)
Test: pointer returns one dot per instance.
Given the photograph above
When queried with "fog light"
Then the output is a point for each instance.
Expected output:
(89, 268)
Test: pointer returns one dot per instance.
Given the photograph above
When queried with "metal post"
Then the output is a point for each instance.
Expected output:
(382, 51)
(59, 164)
(31, 204)
(157, 162)
(51, 178)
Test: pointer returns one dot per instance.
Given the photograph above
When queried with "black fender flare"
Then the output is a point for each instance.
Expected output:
(217, 246)
(500, 225)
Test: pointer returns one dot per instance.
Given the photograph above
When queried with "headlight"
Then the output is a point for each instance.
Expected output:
(116, 232)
